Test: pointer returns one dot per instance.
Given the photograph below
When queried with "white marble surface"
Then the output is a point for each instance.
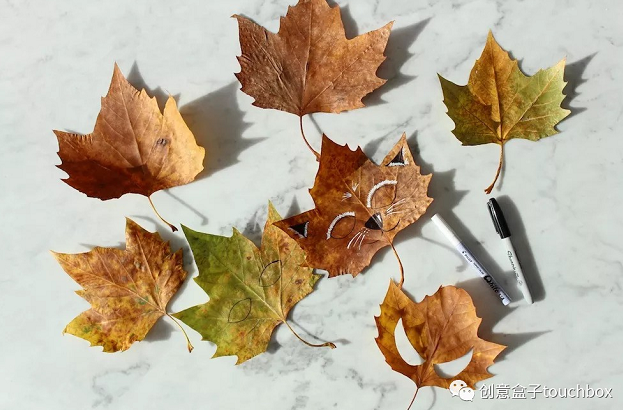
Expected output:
(56, 59)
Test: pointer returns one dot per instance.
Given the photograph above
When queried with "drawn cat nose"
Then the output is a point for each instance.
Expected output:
(375, 222)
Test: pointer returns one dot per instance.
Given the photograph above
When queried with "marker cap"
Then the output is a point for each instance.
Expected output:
(499, 222)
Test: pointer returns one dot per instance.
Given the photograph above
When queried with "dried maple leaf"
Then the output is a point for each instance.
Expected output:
(360, 207)
(337, 162)
(499, 102)
(128, 289)
(441, 328)
(133, 148)
(309, 65)
(251, 290)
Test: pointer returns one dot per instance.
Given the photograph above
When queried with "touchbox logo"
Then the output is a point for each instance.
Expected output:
(503, 391)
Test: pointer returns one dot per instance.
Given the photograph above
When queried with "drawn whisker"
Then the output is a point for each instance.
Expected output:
(393, 207)
(395, 204)
(353, 239)
(400, 201)
(361, 238)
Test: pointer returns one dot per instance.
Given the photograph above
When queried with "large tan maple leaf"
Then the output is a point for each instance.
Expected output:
(309, 65)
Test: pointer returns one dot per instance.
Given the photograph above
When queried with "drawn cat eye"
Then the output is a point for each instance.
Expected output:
(341, 226)
(300, 229)
(382, 194)
(399, 160)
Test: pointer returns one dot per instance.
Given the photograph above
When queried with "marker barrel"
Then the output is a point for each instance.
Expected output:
(471, 259)
(516, 265)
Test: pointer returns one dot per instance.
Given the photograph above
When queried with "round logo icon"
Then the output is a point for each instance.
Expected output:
(456, 386)
(466, 394)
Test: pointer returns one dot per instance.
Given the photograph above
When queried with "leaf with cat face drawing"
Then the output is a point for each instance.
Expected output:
(309, 65)
(441, 328)
(133, 148)
(251, 290)
(360, 207)
(499, 102)
(128, 289)
(337, 163)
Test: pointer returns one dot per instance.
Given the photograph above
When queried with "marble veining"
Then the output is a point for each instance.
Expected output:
(563, 194)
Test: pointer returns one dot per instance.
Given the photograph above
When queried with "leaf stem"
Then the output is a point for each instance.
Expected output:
(327, 344)
(173, 228)
(417, 388)
(307, 142)
(402, 270)
(497, 174)
(189, 345)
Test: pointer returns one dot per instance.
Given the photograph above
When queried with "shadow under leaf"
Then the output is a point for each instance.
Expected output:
(161, 331)
(135, 78)
(204, 219)
(310, 337)
(397, 53)
(489, 308)
(573, 75)
(351, 29)
(217, 123)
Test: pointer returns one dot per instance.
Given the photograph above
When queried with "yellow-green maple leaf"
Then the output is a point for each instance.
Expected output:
(251, 290)
(128, 289)
(499, 102)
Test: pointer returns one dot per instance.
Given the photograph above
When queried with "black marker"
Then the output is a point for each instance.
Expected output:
(502, 229)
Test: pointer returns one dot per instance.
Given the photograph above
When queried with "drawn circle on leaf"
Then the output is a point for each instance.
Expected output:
(383, 196)
(344, 227)
(240, 311)
(270, 274)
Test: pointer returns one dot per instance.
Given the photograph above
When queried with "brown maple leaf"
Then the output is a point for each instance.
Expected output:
(133, 148)
(128, 289)
(360, 207)
(441, 328)
(309, 65)
(338, 162)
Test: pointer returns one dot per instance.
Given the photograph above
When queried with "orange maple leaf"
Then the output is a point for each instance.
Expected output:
(360, 207)
(441, 328)
(133, 148)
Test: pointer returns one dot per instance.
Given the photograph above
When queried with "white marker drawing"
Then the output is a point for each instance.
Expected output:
(375, 188)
